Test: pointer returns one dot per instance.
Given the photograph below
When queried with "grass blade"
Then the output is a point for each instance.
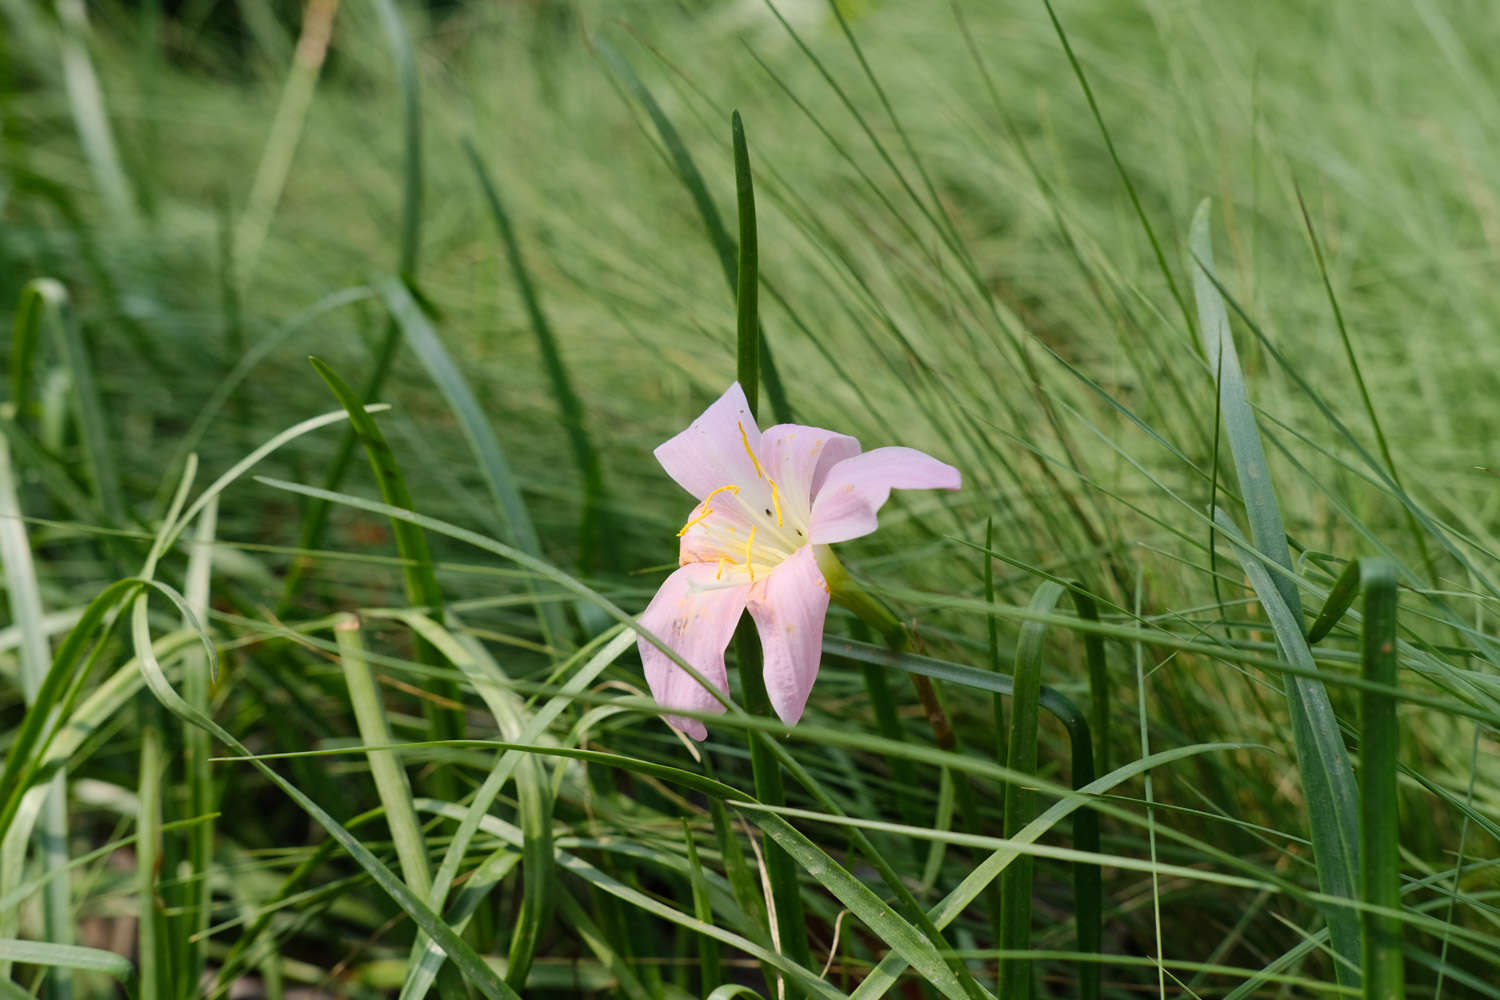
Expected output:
(1322, 760)
(1345, 590)
(1380, 821)
(789, 928)
(687, 172)
(422, 588)
(747, 274)
(459, 951)
(194, 921)
(493, 464)
(391, 783)
(1020, 802)
(86, 101)
(597, 539)
(26, 610)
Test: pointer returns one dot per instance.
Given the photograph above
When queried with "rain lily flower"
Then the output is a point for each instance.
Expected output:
(768, 504)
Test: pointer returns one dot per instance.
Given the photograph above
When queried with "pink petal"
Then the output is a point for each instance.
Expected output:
(695, 617)
(857, 487)
(788, 607)
(798, 459)
(711, 452)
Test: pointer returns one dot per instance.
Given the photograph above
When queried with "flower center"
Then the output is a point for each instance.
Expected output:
(743, 527)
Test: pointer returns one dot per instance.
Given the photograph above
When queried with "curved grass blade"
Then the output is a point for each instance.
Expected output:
(900, 935)
(315, 521)
(597, 542)
(69, 956)
(1345, 590)
(1322, 761)
(1379, 741)
(687, 172)
(44, 302)
(487, 680)
(646, 902)
(493, 464)
(462, 954)
(1364, 391)
(422, 588)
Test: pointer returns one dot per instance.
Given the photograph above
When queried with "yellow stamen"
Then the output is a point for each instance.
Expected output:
(745, 439)
(719, 575)
(731, 488)
(707, 510)
(697, 520)
(748, 543)
(775, 501)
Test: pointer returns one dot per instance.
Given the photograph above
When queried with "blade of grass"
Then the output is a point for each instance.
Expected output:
(490, 683)
(391, 782)
(1020, 802)
(1380, 821)
(315, 520)
(790, 927)
(86, 101)
(1364, 392)
(49, 307)
(462, 954)
(194, 921)
(687, 172)
(283, 136)
(493, 464)
(597, 539)
(1322, 761)
(69, 956)
(422, 589)
(1345, 589)
(51, 836)
(710, 967)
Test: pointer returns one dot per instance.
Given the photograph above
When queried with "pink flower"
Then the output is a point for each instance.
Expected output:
(766, 503)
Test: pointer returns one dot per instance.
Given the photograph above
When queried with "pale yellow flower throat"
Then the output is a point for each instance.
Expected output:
(722, 536)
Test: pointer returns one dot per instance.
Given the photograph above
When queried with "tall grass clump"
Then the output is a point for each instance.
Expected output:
(321, 677)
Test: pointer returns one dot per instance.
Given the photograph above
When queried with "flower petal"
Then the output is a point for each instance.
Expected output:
(695, 618)
(798, 459)
(857, 487)
(789, 606)
(712, 451)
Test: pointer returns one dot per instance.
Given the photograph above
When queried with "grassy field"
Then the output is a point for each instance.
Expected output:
(1196, 687)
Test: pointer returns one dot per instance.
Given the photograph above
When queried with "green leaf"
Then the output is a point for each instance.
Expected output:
(1380, 820)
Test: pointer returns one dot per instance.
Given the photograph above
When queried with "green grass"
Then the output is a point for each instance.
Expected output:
(295, 734)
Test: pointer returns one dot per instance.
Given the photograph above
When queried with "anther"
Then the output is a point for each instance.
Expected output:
(749, 542)
(775, 501)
